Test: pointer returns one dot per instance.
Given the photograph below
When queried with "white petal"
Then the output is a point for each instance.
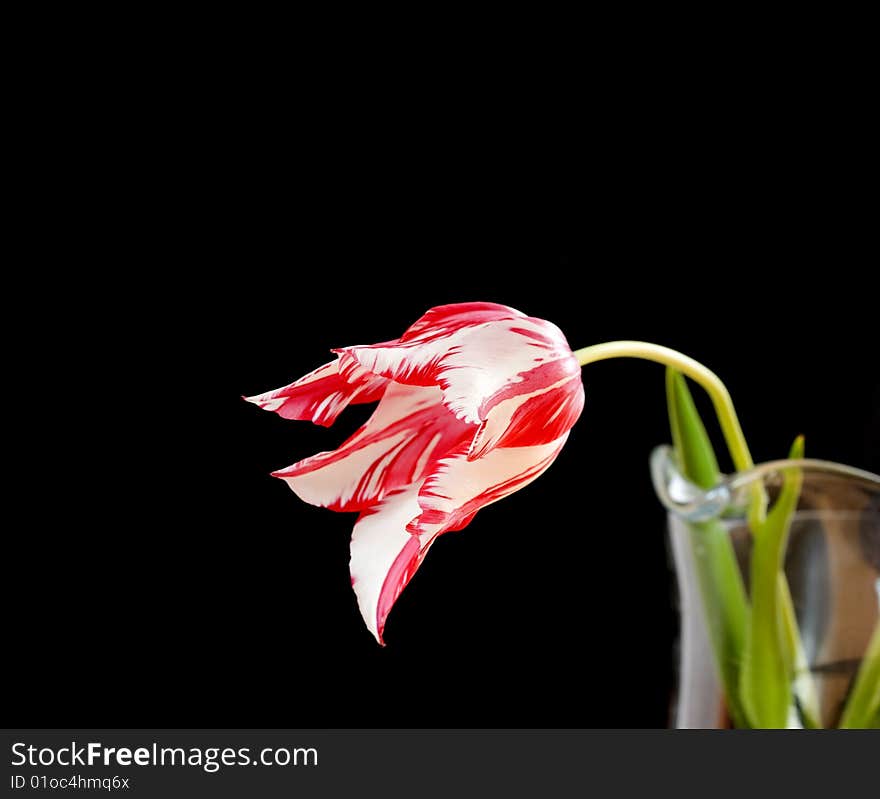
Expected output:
(380, 543)
(388, 452)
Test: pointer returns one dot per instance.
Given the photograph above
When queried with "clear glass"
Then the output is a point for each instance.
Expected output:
(832, 564)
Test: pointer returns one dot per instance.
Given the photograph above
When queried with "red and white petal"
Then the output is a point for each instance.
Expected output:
(390, 541)
(409, 431)
(537, 417)
(410, 359)
(322, 395)
(445, 319)
(474, 365)
(384, 556)
(459, 487)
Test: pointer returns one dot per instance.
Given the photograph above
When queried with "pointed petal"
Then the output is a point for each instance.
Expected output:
(322, 395)
(458, 488)
(407, 434)
(390, 541)
(384, 556)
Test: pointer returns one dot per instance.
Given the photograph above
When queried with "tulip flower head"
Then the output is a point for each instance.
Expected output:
(475, 401)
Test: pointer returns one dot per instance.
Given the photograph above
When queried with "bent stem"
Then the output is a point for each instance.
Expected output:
(717, 391)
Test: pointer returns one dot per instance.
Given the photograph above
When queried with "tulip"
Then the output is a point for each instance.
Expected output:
(475, 401)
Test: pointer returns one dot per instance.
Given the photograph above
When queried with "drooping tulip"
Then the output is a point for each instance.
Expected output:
(475, 401)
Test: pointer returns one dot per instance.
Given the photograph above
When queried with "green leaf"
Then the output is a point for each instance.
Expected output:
(771, 643)
(863, 706)
(696, 458)
(718, 574)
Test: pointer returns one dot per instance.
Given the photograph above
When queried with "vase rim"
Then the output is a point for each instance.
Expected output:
(694, 503)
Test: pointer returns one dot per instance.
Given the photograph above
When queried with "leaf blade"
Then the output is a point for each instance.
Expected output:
(769, 655)
(718, 574)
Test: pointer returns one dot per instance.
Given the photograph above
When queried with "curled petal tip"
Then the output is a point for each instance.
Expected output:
(321, 395)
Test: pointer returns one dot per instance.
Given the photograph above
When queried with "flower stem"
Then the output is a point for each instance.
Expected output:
(718, 393)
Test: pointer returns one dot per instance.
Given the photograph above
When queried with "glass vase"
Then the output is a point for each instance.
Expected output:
(831, 563)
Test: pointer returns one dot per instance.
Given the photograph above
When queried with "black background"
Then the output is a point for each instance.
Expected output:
(162, 577)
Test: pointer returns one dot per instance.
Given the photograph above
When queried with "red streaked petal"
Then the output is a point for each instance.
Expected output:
(390, 541)
(322, 395)
(459, 487)
(409, 431)
(524, 420)
(445, 319)
(384, 556)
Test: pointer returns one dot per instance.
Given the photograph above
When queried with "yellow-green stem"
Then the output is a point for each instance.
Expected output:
(718, 393)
